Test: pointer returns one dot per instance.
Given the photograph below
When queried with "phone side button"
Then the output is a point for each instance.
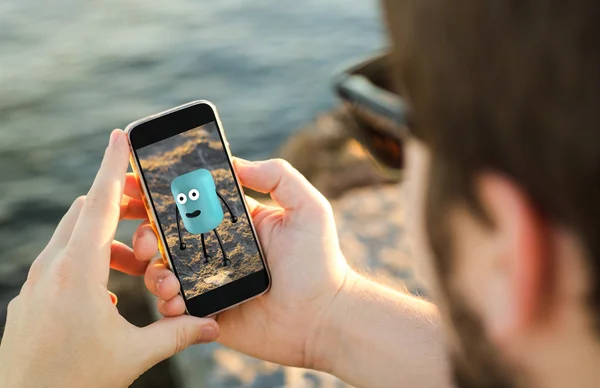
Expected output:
(161, 249)
(146, 203)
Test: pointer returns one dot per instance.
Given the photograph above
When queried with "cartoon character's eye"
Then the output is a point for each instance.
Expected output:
(181, 198)
(194, 194)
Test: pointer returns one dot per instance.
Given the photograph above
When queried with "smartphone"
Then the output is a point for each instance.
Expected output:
(197, 207)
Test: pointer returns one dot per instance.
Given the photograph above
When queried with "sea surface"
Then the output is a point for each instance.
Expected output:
(71, 68)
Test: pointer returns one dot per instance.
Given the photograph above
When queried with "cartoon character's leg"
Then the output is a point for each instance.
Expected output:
(177, 218)
(226, 261)
(207, 257)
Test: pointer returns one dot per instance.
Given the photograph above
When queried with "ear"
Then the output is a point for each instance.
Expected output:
(519, 277)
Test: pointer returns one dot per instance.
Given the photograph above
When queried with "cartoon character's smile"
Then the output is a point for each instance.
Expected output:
(193, 214)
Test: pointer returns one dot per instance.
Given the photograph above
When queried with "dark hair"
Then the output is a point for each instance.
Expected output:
(511, 86)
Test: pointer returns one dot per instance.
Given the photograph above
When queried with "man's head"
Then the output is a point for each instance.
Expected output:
(505, 97)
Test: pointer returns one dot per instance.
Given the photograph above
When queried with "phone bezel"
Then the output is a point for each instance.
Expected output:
(172, 122)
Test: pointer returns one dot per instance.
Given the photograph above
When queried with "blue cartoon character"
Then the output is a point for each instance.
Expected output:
(198, 204)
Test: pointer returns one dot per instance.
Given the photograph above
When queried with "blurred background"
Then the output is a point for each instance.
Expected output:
(71, 71)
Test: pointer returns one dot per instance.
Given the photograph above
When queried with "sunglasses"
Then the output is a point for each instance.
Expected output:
(380, 116)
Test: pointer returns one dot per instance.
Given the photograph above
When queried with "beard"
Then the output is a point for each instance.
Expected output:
(475, 361)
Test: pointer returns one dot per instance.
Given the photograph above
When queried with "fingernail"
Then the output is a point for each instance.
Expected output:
(113, 298)
(208, 334)
(114, 136)
(158, 283)
(138, 237)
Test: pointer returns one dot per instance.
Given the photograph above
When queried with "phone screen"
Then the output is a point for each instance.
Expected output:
(200, 209)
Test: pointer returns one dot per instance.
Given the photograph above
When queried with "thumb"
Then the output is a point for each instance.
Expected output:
(287, 186)
(169, 336)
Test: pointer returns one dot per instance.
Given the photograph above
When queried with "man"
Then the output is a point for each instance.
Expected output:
(503, 171)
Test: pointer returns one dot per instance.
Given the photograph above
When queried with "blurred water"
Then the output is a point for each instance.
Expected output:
(70, 68)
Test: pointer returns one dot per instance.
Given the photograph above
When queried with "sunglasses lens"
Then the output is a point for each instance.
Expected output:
(385, 149)
(378, 139)
(379, 115)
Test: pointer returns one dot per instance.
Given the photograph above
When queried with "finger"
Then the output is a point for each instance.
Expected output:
(288, 188)
(171, 308)
(145, 243)
(132, 188)
(132, 209)
(63, 231)
(96, 226)
(253, 204)
(159, 279)
(123, 259)
(167, 288)
(169, 336)
(259, 211)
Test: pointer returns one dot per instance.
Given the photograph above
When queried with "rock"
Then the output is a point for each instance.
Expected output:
(326, 154)
(219, 279)
(373, 236)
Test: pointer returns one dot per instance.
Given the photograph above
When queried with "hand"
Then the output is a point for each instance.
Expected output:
(299, 240)
(63, 329)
